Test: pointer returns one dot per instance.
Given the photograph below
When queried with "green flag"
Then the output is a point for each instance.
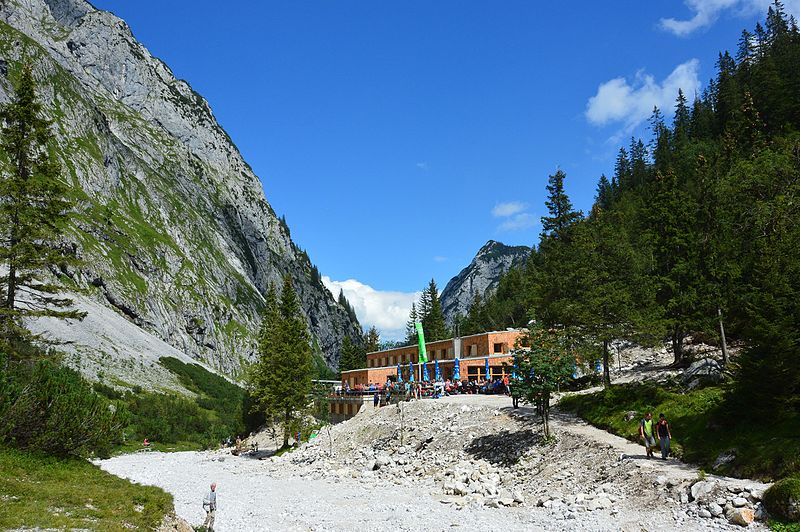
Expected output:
(423, 355)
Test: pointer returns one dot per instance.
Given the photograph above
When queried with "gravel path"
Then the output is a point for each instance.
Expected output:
(311, 489)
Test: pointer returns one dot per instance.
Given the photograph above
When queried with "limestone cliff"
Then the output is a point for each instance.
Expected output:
(172, 224)
(481, 276)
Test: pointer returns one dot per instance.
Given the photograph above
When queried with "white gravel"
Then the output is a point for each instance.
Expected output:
(311, 490)
(250, 499)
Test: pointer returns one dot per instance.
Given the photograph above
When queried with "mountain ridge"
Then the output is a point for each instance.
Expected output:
(173, 225)
(481, 276)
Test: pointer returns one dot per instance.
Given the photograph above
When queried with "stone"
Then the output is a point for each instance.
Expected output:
(724, 458)
(739, 502)
(631, 415)
(660, 480)
(715, 509)
(701, 490)
(492, 502)
(460, 489)
(452, 499)
(506, 501)
(518, 497)
(704, 513)
(742, 516)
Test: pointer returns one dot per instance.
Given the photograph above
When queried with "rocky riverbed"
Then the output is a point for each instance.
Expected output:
(439, 465)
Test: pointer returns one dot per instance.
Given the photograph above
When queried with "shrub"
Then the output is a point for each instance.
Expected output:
(782, 499)
(51, 408)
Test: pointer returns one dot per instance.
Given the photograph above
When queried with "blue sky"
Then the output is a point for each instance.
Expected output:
(398, 137)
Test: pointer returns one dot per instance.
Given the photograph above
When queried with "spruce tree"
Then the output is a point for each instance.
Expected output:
(411, 328)
(372, 340)
(281, 380)
(433, 321)
(561, 214)
(34, 212)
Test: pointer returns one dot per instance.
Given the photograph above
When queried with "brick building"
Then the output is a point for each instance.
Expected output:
(382, 365)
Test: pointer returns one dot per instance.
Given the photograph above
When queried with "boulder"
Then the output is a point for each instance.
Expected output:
(705, 369)
(715, 509)
(724, 458)
(701, 490)
(782, 499)
(739, 502)
(742, 516)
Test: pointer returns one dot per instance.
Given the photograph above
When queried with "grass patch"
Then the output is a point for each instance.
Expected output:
(701, 426)
(45, 492)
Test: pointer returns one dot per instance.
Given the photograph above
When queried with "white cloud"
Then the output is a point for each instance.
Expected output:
(386, 310)
(523, 220)
(509, 208)
(706, 12)
(422, 165)
(439, 258)
(631, 103)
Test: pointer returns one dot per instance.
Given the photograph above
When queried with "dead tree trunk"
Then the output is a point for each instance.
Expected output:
(722, 338)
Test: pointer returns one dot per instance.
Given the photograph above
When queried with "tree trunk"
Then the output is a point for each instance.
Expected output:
(722, 338)
(286, 429)
(11, 287)
(544, 410)
(606, 369)
(677, 347)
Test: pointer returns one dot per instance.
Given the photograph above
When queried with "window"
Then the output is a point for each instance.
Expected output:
(498, 348)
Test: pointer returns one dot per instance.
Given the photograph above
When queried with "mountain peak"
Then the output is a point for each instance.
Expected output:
(482, 275)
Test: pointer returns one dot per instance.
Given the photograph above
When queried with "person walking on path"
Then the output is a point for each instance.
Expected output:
(210, 506)
(664, 435)
(647, 433)
(375, 400)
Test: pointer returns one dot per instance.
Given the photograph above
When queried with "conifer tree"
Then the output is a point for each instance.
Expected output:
(559, 206)
(411, 329)
(433, 321)
(34, 212)
(372, 340)
(280, 382)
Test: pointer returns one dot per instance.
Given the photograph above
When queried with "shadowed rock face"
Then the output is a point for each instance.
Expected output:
(172, 223)
(481, 276)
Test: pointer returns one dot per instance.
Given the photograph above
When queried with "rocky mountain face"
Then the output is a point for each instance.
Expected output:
(172, 224)
(481, 277)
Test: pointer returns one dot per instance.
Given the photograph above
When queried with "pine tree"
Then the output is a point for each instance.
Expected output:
(639, 171)
(346, 355)
(605, 194)
(433, 322)
(411, 328)
(34, 212)
(622, 171)
(372, 340)
(281, 380)
(559, 206)
(681, 122)
(660, 146)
